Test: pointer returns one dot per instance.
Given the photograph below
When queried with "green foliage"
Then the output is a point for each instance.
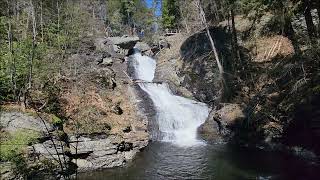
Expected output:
(53, 41)
(13, 145)
(56, 120)
(170, 13)
(127, 13)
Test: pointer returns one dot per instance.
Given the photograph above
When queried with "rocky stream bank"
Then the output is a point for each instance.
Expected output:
(261, 103)
(103, 127)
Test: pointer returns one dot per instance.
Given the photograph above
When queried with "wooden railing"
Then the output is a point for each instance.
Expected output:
(169, 32)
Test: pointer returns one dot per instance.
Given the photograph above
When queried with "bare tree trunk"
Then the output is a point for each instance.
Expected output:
(27, 26)
(183, 17)
(17, 11)
(33, 44)
(309, 21)
(318, 11)
(214, 49)
(235, 37)
(13, 63)
(41, 20)
(215, 7)
(58, 9)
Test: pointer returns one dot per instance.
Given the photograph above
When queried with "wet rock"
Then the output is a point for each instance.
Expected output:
(210, 130)
(17, 121)
(129, 155)
(230, 114)
(220, 122)
(133, 51)
(142, 46)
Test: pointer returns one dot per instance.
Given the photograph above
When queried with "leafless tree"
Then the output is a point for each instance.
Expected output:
(13, 61)
(212, 43)
(34, 32)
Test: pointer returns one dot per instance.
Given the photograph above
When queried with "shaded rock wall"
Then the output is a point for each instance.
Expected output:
(199, 70)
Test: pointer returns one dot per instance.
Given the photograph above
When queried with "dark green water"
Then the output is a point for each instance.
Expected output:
(161, 161)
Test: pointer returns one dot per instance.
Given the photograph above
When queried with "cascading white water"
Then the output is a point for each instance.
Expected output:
(178, 118)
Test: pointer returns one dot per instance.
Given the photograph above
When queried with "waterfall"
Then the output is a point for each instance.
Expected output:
(178, 117)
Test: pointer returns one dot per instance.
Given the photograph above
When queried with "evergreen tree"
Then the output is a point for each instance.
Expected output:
(170, 14)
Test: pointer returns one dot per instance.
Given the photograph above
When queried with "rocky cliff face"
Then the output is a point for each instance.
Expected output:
(189, 66)
(191, 71)
(103, 127)
(199, 70)
(272, 87)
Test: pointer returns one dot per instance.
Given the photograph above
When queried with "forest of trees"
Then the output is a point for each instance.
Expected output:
(182, 14)
(192, 16)
(37, 36)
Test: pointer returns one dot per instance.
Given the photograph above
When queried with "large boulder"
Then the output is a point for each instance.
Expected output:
(100, 152)
(220, 122)
(17, 121)
(85, 145)
(142, 46)
(210, 130)
(124, 42)
(53, 150)
(230, 114)
(92, 163)
(104, 45)
(199, 70)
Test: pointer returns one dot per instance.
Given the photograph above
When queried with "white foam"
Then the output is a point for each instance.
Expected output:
(178, 117)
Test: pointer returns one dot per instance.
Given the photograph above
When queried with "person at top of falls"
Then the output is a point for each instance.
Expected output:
(141, 35)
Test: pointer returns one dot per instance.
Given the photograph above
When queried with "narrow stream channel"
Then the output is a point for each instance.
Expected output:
(178, 154)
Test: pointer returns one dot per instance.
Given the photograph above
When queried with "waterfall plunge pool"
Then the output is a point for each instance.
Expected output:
(178, 154)
(165, 161)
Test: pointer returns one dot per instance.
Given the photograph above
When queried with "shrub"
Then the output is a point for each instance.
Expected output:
(56, 120)
(13, 145)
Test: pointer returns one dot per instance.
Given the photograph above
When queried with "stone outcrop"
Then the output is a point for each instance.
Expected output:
(220, 123)
(101, 109)
(198, 70)
(15, 121)
(97, 153)
(124, 42)
(6, 171)
(144, 48)
(115, 131)
(168, 65)
(103, 45)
